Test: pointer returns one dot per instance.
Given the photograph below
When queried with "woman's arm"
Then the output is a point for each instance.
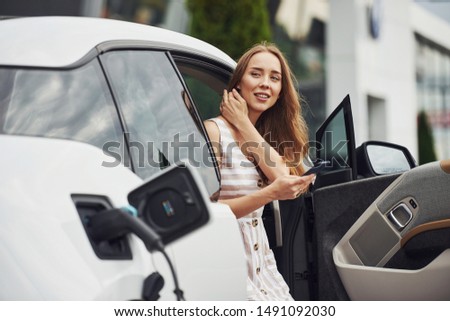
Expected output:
(283, 187)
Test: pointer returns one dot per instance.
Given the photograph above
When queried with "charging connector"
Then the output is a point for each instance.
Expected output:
(117, 222)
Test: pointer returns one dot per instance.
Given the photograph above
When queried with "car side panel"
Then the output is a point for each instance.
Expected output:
(46, 254)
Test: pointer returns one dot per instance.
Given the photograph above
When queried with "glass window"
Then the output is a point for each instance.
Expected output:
(156, 109)
(336, 139)
(335, 142)
(69, 104)
(206, 84)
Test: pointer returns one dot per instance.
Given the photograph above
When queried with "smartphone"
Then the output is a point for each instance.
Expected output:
(318, 166)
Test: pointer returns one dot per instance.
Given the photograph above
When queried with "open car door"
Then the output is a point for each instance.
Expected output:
(307, 238)
(399, 249)
(374, 227)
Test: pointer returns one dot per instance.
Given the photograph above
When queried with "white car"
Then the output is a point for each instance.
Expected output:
(96, 114)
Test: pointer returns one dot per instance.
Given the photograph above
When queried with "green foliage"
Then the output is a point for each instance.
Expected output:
(426, 141)
(233, 26)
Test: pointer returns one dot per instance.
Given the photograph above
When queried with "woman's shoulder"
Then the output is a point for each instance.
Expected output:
(215, 124)
(217, 120)
(219, 130)
(212, 122)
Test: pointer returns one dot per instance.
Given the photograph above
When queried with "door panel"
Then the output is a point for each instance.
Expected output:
(416, 203)
(336, 208)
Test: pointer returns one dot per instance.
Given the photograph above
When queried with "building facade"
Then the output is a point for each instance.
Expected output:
(392, 72)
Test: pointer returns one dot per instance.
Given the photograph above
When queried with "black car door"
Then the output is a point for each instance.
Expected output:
(299, 258)
(372, 230)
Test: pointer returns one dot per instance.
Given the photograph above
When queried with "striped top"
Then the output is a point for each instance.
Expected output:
(240, 178)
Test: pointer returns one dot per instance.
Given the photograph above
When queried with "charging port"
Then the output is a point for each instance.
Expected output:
(113, 249)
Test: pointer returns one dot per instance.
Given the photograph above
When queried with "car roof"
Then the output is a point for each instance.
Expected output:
(55, 42)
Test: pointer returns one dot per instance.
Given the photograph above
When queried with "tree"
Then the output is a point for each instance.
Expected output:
(426, 141)
(233, 26)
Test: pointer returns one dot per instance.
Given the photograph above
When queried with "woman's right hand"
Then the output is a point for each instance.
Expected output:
(290, 186)
(234, 108)
(284, 187)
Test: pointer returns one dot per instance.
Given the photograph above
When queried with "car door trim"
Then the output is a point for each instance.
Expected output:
(424, 228)
(278, 223)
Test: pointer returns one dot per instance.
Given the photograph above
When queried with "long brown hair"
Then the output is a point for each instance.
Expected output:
(282, 125)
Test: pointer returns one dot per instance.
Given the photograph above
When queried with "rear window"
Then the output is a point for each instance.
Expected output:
(68, 104)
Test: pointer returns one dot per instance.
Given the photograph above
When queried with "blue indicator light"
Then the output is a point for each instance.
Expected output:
(168, 208)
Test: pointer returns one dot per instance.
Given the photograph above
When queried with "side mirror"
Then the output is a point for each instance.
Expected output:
(380, 158)
(173, 203)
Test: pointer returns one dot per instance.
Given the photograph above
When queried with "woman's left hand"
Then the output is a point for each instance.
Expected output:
(234, 108)
(290, 186)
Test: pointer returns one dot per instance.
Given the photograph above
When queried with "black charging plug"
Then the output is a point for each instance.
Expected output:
(113, 223)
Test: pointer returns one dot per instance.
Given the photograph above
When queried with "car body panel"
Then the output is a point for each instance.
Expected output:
(46, 254)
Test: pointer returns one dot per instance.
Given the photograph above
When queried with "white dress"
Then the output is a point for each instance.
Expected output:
(239, 178)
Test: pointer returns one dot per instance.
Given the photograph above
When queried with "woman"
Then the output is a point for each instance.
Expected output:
(261, 102)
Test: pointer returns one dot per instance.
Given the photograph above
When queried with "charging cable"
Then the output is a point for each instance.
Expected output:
(116, 222)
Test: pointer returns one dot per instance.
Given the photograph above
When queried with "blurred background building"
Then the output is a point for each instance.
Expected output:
(392, 57)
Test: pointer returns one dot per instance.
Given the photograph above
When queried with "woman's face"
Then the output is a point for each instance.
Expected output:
(260, 85)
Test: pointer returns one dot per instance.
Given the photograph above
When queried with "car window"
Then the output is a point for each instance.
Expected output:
(334, 142)
(69, 104)
(206, 83)
(155, 107)
(335, 139)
